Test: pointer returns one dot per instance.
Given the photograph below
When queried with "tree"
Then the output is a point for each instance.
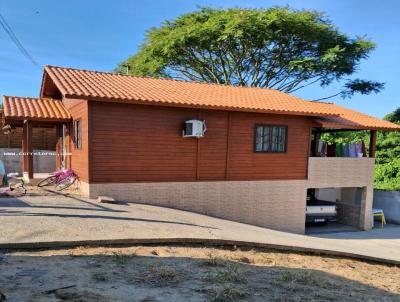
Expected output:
(393, 117)
(387, 168)
(388, 143)
(278, 48)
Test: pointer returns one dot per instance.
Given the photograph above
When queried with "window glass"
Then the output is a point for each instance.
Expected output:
(270, 138)
(259, 138)
(266, 139)
(282, 139)
(77, 134)
(274, 140)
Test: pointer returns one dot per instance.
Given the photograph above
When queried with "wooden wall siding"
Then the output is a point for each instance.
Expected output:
(43, 139)
(69, 103)
(49, 89)
(79, 159)
(213, 146)
(138, 143)
(245, 164)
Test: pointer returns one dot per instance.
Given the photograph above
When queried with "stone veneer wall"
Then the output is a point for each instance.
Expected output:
(348, 213)
(276, 204)
(335, 172)
(273, 204)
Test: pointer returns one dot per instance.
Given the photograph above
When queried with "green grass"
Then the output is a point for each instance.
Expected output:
(303, 277)
(213, 260)
(226, 294)
(119, 259)
(230, 273)
(159, 276)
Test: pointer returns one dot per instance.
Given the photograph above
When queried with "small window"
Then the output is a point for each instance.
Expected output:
(270, 138)
(78, 134)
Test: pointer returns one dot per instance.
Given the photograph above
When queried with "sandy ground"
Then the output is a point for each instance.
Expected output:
(191, 273)
(48, 219)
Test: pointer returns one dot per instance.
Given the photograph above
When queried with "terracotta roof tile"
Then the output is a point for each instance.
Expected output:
(76, 83)
(19, 108)
(354, 120)
(96, 85)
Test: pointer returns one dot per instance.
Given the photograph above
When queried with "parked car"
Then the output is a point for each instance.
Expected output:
(319, 211)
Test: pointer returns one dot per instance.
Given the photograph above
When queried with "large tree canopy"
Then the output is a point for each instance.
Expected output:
(277, 48)
(388, 143)
(387, 168)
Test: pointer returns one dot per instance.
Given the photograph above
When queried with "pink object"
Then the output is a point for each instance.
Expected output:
(5, 190)
(63, 174)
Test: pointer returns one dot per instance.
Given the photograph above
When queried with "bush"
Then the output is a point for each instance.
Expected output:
(387, 176)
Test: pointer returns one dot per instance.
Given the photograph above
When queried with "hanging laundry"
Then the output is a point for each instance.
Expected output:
(363, 149)
(359, 152)
(339, 150)
(331, 150)
(352, 150)
(346, 150)
(320, 146)
(324, 148)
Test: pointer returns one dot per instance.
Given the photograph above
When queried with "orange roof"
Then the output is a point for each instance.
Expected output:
(103, 86)
(20, 108)
(351, 119)
(74, 83)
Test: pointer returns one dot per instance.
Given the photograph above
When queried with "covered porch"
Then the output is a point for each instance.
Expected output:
(28, 113)
(342, 170)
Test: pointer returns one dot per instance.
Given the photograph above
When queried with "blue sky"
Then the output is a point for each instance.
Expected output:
(99, 34)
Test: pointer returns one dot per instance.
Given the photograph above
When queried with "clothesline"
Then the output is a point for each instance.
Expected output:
(341, 150)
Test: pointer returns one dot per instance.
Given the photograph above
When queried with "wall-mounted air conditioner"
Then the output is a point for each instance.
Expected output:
(194, 128)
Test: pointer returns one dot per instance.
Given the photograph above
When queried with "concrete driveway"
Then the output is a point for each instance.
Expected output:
(58, 220)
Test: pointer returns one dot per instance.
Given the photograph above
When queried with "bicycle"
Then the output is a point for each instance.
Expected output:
(61, 179)
(15, 186)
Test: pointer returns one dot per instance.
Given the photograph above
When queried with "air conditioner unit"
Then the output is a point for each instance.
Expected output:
(194, 128)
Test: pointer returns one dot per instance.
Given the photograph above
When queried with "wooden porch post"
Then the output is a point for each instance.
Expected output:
(372, 143)
(317, 138)
(27, 149)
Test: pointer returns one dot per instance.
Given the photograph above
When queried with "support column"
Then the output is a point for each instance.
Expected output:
(27, 149)
(367, 196)
(316, 140)
(372, 143)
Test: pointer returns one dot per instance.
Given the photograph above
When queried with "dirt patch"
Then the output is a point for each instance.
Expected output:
(160, 273)
(33, 190)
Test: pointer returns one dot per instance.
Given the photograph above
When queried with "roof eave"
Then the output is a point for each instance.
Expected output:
(225, 108)
(14, 119)
(356, 127)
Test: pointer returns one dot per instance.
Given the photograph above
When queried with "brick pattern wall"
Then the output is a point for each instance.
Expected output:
(348, 213)
(329, 172)
(273, 204)
(333, 172)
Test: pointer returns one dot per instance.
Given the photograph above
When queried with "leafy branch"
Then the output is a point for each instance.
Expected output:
(278, 48)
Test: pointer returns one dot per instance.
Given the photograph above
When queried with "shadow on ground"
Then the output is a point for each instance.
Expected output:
(165, 274)
(389, 231)
(87, 208)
